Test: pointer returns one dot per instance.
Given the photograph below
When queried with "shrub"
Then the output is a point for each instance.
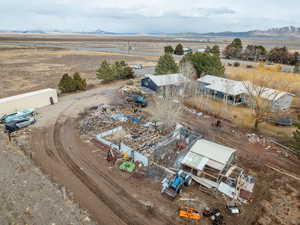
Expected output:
(70, 84)
(169, 49)
(110, 72)
(179, 50)
(80, 84)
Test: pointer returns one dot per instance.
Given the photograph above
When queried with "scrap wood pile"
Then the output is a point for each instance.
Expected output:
(106, 117)
(137, 133)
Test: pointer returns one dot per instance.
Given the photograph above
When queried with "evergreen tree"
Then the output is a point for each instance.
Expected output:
(179, 50)
(215, 50)
(234, 49)
(66, 84)
(106, 72)
(169, 49)
(166, 65)
(128, 73)
(79, 82)
(205, 63)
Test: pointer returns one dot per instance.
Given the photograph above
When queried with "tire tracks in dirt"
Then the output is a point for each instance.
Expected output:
(92, 185)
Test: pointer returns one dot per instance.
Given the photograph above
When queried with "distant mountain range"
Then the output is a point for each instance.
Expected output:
(283, 32)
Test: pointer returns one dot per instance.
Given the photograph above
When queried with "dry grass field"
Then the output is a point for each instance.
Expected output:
(25, 69)
(280, 80)
(240, 116)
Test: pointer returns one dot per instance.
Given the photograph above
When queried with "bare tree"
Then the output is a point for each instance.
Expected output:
(166, 109)
(263, 100)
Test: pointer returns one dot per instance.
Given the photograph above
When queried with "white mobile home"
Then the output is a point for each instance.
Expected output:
(238, 92)
(35, 99)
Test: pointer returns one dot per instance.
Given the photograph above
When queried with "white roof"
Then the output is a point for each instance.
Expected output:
(201, 50)
(204, 152)
(234, 87)
(167, 79)
(266, 93)
(7, 99)
(230, 87)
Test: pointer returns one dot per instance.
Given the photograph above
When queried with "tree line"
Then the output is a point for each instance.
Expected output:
(207, 62)
(259, 53)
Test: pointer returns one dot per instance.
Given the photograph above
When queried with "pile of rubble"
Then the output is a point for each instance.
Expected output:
(137, 133)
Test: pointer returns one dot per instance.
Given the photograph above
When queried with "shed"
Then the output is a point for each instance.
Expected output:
(155, 82)
(205, 153)
(35, 99)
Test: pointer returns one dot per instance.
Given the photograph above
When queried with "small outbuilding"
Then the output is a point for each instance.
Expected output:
(161, 82)
(208, 159)
(35, 99)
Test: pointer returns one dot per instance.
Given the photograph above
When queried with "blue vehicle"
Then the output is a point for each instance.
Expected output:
(140, 100)
(18, 124)
(174, 186)
(17, 116)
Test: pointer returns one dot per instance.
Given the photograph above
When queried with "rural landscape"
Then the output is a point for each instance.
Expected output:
(138, 128)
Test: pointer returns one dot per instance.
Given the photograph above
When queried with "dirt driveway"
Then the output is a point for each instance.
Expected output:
(59, 151)
(113, 197)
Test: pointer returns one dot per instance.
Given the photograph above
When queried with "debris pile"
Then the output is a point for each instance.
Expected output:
(137, 133)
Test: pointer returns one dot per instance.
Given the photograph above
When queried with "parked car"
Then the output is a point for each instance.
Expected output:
(18, 124)
(138, 67)
(17, 115)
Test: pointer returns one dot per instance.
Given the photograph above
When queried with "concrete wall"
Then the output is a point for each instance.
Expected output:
(30, 100)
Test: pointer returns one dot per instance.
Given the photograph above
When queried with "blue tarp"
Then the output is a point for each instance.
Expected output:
(119, 117)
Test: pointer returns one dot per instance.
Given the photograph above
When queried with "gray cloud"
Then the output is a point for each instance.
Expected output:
(148, 16)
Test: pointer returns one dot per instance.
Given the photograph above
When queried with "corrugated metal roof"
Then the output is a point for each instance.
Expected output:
(167, 79)
(217, 155)
(234, 87)
(230, 87)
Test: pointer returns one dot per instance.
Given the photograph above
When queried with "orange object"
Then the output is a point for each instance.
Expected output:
(188, 212)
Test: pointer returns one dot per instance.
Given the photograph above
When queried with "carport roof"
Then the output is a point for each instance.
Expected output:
(167, 79)
(204, 152)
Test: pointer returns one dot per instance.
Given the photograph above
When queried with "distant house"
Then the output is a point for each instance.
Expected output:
(208, 160)
(162, 82)
(187, 50)
(202, 50)
(238, 92)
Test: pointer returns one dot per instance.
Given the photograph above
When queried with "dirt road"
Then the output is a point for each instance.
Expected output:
(61, 153)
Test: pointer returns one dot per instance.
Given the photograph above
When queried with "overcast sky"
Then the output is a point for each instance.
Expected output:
(149, 15)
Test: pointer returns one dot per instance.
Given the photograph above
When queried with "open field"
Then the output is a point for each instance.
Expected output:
(283, 81)
(25, 69)
(30, 62)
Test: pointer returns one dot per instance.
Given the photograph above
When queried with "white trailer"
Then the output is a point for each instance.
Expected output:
(35, 99)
